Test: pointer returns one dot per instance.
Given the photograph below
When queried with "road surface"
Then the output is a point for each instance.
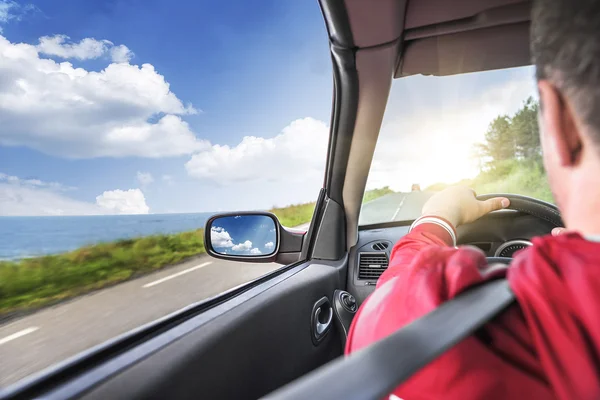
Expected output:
(37, 341)
(394, 207)
(34, 342)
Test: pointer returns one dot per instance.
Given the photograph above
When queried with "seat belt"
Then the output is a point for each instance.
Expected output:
(376, 370)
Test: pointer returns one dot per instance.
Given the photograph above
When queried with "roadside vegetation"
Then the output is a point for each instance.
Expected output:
(34, 282)
(510, 158)
(375, 193)
(294, 215)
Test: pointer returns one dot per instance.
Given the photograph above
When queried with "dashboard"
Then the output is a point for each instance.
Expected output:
(499, 234)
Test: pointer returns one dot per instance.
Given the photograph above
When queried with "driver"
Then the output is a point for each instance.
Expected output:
(547, 346)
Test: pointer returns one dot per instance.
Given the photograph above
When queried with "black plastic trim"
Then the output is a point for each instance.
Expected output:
(330, 243)
(383, 225)
(344, 118)
(311, 234)
(337, 22)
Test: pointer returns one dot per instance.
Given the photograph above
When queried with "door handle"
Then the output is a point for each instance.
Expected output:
(321, 318)
(322, 327)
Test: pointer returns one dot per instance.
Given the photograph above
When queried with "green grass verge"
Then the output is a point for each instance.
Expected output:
(294, 215)
(35, 282)
(375, 193)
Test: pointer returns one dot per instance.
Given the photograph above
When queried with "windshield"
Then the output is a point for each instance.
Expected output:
(477, 129)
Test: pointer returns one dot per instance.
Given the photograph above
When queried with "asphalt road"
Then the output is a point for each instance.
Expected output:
(394, 207)
(37, 341)
(42, 339)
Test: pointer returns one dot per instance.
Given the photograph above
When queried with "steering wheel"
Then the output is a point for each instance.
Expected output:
(538, 208)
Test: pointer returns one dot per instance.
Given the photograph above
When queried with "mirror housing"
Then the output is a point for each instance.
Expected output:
(255, 237)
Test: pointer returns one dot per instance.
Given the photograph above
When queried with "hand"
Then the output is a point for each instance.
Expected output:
(559, 231)
(458, 205)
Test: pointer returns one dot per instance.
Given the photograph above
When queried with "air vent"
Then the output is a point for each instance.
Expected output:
(379, 246)
(371, 265)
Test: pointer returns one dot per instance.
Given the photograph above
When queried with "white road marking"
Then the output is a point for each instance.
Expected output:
(398, 209)
(185, 271)
(18, 334)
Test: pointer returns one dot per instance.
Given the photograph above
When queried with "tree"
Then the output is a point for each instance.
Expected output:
(512, 138)
(525, 130)
(499, 141)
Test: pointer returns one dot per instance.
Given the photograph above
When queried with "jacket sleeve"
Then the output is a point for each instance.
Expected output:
(424, 236)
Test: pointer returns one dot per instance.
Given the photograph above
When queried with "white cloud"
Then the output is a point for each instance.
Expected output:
(85, 49)
(33, 183)
(255, 251)
(16, 199)
(118, 201)
(121, 54)
(269, 245)
(29, 197)
(220, 238)
(247, 245)
(5, 11)
(13, 11)
(144, 178)
(297, 154)
(277, 171)
(122, 110)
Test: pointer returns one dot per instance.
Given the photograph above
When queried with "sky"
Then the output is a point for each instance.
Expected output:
(137, 106)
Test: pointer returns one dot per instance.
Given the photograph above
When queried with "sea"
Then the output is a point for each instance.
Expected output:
(22, 237)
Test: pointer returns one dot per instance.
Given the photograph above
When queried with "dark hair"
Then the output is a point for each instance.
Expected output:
(565, 47)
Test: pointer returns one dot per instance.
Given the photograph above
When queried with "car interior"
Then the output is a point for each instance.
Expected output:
(283, 334)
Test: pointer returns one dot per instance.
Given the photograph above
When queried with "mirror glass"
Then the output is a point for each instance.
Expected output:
(244, 235)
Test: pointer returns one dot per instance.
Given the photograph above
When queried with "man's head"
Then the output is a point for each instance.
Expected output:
(565, 46)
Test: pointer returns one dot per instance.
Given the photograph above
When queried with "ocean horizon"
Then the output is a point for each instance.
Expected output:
(33, 236)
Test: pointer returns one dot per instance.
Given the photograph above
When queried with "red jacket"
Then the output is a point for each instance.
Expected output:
(546, 347)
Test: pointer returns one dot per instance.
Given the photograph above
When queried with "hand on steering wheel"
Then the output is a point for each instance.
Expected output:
(458, 205)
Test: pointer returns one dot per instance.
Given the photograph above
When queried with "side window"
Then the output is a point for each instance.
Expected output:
(120, 140)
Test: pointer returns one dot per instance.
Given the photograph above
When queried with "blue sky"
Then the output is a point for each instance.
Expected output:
(130, 106)
(249, 68)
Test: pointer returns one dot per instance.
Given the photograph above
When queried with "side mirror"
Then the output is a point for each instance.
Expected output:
(251, 237)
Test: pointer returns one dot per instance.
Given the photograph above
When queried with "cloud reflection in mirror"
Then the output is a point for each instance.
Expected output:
(244, 235)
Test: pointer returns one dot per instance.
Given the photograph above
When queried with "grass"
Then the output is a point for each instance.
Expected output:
(526, 179)
(375, 193)
(294, 215)
(34, 282)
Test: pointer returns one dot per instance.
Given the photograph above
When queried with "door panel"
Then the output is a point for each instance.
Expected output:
(246, 352)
